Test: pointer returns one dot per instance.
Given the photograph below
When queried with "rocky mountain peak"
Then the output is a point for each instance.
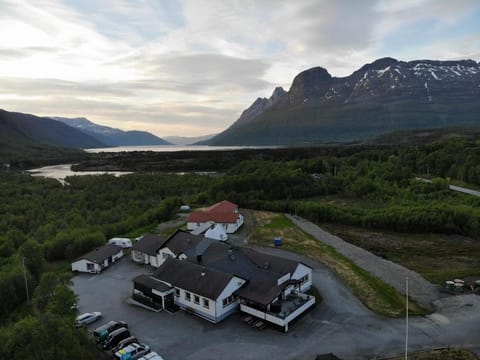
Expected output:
(309, 84)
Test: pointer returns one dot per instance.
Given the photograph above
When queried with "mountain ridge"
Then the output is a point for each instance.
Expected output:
(383, 96)
(112, 136)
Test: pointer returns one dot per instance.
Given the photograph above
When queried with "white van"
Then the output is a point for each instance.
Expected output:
(122, 242)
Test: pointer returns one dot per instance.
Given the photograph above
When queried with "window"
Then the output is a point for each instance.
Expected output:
(165, 255)
(196, 299)
(177, 292)
(188, 296)
(228, 300)
(304, 279)
(206, 303)
(89, 266)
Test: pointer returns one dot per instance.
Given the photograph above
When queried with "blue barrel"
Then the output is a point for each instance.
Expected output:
(277, 241)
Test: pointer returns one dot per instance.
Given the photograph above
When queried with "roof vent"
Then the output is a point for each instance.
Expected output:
(203, 272)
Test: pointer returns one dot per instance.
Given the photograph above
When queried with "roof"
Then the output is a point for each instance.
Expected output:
(198, 279)
(262, 285)
(101, 253)
(273, 263)
(149, 244)
(222, 212)
(151, 282)
(181, 241)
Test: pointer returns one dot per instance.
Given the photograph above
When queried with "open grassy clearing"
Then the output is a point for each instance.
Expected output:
(442, 354)
(375, 294)
(436, 257)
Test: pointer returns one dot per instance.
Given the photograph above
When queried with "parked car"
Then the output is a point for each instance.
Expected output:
(115, 337)
(132, 352)
(151, 356)
(124, 343)
(101, 333)
(87, 318)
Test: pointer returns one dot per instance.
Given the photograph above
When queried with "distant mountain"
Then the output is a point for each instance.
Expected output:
(27, 129)
(384, 96)
(111, 136)
(182, 140)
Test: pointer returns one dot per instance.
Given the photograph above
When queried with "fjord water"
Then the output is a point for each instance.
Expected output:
(172, 148)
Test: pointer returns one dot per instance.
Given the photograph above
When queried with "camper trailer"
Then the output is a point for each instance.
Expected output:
(122, 242)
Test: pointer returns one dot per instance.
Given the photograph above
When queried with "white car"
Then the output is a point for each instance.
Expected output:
(132, 352)
(151, 356)
(87, 318)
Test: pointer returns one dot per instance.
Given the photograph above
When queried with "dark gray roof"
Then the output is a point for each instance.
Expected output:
(181, 241)
(262, 289)
(192, 277)
(149, 244)
(262, 281)
(273, 263)
(151, 282)
(101, 253)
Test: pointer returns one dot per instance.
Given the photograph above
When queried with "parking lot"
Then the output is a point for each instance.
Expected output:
(341, 324)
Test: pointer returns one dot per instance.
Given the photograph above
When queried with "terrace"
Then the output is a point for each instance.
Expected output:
(281, 312)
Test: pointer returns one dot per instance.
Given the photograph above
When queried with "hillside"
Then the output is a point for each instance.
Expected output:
(27, 129)
(384, 96)
(111, 136)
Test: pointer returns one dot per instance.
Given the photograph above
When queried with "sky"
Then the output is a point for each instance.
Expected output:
(190, 67)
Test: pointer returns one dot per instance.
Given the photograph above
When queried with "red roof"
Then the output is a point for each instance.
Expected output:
(222, 212)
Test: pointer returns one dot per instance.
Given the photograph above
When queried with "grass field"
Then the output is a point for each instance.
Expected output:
(436, 257)
(375, 294)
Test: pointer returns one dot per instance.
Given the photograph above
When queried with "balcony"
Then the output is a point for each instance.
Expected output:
(290, 308)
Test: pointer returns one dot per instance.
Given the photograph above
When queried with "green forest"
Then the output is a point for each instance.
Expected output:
(44, 225)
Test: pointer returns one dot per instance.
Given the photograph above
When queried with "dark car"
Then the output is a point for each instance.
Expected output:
(101, 333)
(115, 337)
(125, 342)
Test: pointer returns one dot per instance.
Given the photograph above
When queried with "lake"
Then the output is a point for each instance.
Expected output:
(60, 172)
(172, 148)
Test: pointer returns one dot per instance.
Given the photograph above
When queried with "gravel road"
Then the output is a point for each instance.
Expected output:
(419, 289)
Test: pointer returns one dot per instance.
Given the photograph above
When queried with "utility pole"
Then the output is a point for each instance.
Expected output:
(406, 320)
(26, 283)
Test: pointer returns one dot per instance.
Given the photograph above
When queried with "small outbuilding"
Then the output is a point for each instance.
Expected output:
(146, 250)
(98, 259)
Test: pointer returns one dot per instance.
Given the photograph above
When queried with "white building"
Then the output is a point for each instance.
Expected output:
(224, 213)
(214, 280)
(98, 259)
(146, 250)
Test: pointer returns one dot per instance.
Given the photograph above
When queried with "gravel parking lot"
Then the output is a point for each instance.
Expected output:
(341, 324)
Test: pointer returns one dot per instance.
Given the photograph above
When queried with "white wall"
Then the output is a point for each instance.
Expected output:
(161, 255)
(198, 308)
(301, 271)
(139, 257)
(234, 284)
(81, 265)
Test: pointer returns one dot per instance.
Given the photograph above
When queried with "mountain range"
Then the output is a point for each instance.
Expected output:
(111, 136)
(384, 96)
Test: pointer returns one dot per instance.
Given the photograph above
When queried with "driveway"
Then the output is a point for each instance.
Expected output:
(341, 324)
(422, 291)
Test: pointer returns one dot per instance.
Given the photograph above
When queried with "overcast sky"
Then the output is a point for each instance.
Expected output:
(191, 67)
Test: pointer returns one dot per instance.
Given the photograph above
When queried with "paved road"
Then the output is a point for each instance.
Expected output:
(394, 274)
(341, 324)
(455, 188)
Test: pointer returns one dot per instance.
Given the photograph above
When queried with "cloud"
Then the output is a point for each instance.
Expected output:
(170, 66)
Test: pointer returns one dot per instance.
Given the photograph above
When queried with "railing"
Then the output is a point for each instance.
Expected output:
(299, 304)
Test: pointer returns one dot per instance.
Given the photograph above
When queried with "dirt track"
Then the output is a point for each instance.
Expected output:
(422, 291)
